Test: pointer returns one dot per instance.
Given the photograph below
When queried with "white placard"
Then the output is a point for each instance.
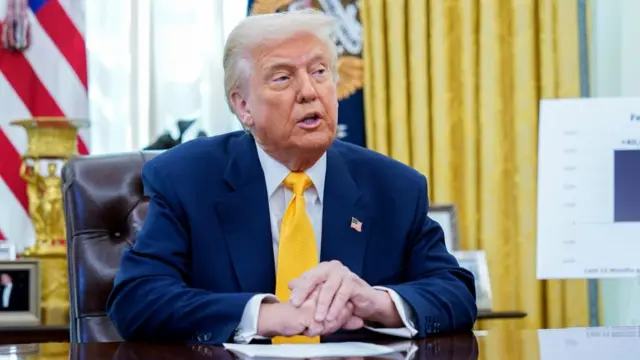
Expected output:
(617, 342)
(7, 252)
(589, 188)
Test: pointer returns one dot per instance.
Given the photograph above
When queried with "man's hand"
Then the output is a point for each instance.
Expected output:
(337, 287)
(346, 320)
(284, 319)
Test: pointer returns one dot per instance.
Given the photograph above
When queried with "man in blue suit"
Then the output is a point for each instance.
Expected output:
(283, 232)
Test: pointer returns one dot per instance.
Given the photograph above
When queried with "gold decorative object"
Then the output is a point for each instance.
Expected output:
(50, 143)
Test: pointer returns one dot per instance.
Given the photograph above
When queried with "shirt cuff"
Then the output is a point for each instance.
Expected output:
(406, 315)
(247, 330)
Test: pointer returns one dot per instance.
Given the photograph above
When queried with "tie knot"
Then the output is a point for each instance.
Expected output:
(298, 182)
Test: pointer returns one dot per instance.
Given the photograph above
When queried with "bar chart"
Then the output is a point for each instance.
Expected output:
(588, 188)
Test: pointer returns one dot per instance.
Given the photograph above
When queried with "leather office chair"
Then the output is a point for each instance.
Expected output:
(104, 205)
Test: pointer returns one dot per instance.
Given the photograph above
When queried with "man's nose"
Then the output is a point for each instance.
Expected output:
(307, 91)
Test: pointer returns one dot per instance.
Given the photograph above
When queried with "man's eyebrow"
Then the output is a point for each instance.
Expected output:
(318, 57)
(278, 63)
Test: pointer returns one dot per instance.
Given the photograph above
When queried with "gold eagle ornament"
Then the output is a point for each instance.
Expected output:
(350, 67)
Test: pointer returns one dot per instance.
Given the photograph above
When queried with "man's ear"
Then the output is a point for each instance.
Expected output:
(241, 107)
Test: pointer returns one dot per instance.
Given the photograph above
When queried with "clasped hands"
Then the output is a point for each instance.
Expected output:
(324, 300)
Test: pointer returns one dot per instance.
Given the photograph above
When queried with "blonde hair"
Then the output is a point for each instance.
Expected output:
(260, 29)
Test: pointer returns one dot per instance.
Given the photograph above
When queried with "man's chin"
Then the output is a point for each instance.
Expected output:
(317, 140)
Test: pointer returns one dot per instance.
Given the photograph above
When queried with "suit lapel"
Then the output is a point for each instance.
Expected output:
(342, 203)
(245, 220)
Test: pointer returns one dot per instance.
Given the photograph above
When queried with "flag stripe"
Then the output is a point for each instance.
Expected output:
(27, 85)
(30, 89)
(65, 35)
(13, 141)
(16, 72)
(10, 170)
(57, 77)
(83, 149)
(76, 10)
(12, 109)
(2, 237)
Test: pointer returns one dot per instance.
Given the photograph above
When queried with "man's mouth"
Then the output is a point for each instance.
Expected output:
(309, 122)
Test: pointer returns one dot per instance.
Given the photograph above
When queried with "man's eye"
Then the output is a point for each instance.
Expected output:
(281, 78)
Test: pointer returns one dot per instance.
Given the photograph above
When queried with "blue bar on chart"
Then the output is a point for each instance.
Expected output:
(626, 166)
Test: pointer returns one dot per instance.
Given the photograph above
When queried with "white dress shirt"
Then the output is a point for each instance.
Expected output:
(279, 197)
(6, 294)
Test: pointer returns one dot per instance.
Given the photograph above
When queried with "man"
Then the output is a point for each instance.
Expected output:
(284, 232)
(12, 298)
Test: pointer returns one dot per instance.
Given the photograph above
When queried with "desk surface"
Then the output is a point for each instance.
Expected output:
(41, 334)
(618, 343)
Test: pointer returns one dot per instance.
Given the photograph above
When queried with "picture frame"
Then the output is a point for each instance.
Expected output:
(476, 262)
(446, 216)
(20, 301)
(7, 252)
(18, 350)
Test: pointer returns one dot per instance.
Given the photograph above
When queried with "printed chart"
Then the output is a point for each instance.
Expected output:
(589, 188)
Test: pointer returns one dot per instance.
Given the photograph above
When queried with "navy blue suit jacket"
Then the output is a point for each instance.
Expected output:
(205, 248)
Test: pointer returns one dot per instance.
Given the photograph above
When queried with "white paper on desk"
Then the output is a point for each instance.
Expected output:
(345, 349)
(607, 342)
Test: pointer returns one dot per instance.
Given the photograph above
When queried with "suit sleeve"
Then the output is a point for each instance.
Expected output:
(440, 292)
(151, 299)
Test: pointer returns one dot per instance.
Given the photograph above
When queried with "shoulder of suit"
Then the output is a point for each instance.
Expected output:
(196, 155)
(364, 162)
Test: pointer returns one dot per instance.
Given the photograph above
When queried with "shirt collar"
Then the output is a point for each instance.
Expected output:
(275, 172)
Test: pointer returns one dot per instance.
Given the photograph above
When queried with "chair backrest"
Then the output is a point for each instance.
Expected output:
(104, 206)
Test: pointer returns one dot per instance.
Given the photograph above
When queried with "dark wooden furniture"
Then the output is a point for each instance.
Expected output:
(43, 334)
(460, 346)
(33, 334)
(494, 315)
(575, 343)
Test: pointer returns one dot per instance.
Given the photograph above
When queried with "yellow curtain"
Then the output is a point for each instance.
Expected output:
(452, 89)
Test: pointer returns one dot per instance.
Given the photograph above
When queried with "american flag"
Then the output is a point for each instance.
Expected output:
(356, 224)
(48, 78)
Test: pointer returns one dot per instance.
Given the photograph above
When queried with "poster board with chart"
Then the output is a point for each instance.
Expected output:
(588, 188)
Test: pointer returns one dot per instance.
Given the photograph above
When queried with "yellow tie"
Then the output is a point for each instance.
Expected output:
(297, 251)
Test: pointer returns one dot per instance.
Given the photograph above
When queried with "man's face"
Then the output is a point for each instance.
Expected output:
(5, 279)
(291, 99)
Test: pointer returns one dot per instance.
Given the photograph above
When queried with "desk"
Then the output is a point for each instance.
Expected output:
(42, 334)
(34, 334)
(462, 346)
(620, 343)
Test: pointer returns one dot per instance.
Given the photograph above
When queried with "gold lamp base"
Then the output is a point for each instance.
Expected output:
(54, 299)
(51, 141)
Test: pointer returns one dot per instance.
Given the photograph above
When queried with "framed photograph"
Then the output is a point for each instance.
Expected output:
(476, 263)
(445, 215)
(16, 351)
(7, 252)
(19, 293)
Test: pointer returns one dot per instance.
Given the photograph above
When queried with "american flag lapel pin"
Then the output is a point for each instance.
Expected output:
(356, 224)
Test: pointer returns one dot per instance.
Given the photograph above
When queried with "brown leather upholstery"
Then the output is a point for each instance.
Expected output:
(104, 206)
